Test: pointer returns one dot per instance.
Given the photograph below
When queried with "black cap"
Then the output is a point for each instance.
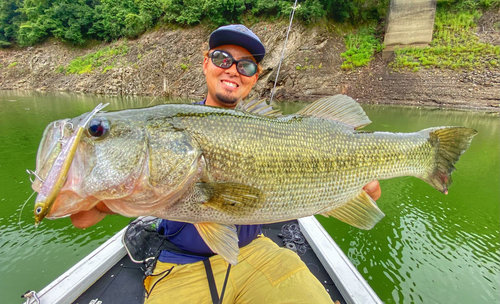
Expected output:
(238, 34)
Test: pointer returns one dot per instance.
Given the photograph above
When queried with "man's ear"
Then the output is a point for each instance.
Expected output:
(205, 65)
(256, 78)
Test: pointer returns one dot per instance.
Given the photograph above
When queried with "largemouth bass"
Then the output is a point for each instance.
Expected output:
(218, 167)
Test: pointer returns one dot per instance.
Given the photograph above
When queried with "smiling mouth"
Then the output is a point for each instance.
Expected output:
(231, 84)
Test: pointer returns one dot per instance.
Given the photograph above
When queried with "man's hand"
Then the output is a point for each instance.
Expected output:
(90, 217)
(373, 190)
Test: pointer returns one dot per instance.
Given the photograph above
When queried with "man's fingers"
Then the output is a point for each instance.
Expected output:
(103, 208)
(87, 218)
(373, 190)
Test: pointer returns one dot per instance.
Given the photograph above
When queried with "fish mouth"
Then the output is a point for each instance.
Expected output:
(56, 177)
(56, 153)
(50, 146)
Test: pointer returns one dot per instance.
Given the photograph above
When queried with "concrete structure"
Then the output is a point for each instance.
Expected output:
(409, 22)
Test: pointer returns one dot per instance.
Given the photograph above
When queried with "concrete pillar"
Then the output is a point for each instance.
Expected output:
(409, 22)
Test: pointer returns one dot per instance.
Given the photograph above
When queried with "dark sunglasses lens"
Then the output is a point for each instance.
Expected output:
(247, 68)
(222, 59)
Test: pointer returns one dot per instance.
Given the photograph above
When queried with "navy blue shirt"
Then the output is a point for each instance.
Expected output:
(186, 237)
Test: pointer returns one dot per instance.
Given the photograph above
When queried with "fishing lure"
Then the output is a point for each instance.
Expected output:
(57, 175)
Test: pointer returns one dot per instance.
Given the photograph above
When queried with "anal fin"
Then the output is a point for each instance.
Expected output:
(221, 239)
(361, 212)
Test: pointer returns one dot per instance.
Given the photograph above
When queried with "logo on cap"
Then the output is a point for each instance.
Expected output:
(241, 28)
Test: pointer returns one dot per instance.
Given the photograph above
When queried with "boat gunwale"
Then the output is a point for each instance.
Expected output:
(76, 280)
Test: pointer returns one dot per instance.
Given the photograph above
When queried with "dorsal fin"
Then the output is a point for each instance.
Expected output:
(339, 108)
(256, 106)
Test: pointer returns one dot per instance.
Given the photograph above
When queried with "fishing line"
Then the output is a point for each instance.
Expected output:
(22, 208)
(283, 52)
(151, 102)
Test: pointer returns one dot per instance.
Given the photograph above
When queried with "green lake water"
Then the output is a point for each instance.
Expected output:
(429, 248)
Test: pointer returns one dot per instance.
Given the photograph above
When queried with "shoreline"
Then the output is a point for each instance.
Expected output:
(167, 63)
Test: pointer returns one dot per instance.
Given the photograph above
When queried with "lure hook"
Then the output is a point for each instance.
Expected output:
(31, 172)
(31, 297)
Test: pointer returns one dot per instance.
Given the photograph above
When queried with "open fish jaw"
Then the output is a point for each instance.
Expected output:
(137, 167)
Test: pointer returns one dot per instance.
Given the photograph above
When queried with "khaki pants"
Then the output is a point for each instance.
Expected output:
(265, 273)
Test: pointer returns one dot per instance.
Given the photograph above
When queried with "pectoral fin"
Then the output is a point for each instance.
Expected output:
(221, 239)
(361, 212)
(232, 198)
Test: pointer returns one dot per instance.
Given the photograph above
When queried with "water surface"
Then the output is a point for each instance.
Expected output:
(429, 248)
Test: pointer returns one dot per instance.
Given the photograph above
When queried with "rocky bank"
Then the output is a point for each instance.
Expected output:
(167, 62)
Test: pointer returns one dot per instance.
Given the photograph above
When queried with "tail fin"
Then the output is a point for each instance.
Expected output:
(449, 143)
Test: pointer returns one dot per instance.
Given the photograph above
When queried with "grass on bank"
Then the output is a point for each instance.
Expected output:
(454, 46)
(87, 63)
(361, 47)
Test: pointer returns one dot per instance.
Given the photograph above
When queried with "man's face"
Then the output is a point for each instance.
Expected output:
(227, 86)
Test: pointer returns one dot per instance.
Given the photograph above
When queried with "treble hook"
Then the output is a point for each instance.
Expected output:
(31, 172)
(31, 296)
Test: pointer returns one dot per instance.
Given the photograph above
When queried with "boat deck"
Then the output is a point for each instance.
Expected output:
(110, 289)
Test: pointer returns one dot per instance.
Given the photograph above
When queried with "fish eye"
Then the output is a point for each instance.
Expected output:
(98, 127)
(38, 210)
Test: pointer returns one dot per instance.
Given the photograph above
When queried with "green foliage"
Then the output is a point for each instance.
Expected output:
(124, 18)
(185, 64)
(489, 3)
(224, 11)
(467, 5)
(10, 20)
(183, 11)
(87, 63)
(311, 11)
(28, 22)
(60, 69)
(355, 11)
(269, 8)
(13, 64)
(454, 45)
(360, 48)
(307, 67)
(68, 20)
(33, 29)
(107, 68)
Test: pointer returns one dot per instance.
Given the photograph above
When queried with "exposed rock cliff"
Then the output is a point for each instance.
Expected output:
(167, 62)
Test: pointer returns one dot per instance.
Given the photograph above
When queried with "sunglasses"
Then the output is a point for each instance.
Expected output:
(224, 60)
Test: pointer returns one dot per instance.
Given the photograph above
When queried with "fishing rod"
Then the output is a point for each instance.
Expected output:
(283, 52)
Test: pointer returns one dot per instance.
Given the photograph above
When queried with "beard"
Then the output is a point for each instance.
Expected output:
(226, 99)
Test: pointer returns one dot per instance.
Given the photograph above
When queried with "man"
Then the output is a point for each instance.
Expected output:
(265, 273)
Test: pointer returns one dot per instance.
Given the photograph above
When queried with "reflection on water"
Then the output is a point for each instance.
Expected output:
(433, 248)
(430, 248)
